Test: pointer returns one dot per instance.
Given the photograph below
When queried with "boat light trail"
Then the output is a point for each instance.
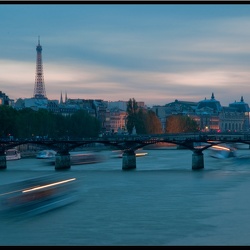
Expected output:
(48, 185)
(220, 147)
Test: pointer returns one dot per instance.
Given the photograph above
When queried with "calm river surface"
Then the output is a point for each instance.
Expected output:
(162, 202)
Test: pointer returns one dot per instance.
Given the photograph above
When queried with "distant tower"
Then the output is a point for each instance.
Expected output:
(66, 98)
(61, 99)
(39, 89)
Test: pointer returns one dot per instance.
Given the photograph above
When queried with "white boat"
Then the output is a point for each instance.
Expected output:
(222, 151)
(12, 154)
(46, 154)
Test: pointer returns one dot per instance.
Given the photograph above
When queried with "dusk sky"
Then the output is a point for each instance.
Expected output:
(154, 53)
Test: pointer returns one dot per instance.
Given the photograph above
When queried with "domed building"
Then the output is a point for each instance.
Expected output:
(207, 114)
(240, 106)
(235, 117)
(210, 105)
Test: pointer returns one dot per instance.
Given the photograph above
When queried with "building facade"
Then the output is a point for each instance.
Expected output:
(209, 114)
(118, 121)
(5, 100)
(235, 117)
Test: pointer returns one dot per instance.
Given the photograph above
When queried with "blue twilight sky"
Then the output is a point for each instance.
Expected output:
(154, 53)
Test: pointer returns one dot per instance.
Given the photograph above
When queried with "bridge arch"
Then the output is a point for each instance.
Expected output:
(129, 144)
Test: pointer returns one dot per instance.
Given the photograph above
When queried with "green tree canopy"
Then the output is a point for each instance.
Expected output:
(132, 110)
(81, 124)
(26, 123)
(8, 124)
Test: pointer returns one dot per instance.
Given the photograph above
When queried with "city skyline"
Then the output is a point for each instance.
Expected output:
(155, 53)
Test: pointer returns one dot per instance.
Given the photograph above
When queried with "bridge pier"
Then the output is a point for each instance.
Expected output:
(197, 160)
(62, 160)
(3, 164)
(128, 160)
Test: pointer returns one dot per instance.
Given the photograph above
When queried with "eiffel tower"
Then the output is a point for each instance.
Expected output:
(39, 89)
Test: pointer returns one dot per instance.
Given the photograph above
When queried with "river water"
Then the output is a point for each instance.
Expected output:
(162, 202)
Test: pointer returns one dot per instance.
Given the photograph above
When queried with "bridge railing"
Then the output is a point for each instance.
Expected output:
(117, 137)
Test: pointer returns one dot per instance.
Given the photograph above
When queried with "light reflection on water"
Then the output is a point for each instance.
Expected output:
(161, 202)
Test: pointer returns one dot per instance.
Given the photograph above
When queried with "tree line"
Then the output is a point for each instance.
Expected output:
(28, 123)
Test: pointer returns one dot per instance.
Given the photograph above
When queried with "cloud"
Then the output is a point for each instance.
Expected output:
(107, 83)
(99, 54)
